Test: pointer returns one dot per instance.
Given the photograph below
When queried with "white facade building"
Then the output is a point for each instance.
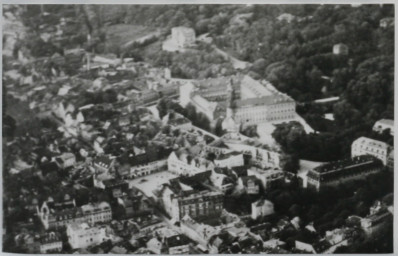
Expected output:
(249, 101)
(367, 146)
(147, 169)
(262, 208)
(82, 235)
(229, 160)
(267, 177)
(260, 156)
(184, 164)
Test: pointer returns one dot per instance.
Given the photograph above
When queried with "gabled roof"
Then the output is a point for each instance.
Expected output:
(103, 161)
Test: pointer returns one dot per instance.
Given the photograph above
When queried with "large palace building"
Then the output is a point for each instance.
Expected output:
(248, 100)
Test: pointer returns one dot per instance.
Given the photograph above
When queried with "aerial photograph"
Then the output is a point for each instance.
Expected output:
(198, 128)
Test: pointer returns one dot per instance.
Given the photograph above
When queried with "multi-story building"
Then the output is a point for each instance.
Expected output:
(261, 155)
(262, 208)
(216, 147)
(82, 235)
(183, 36)
(384, 124)
(367, 146)
(182, 163)
(250, 101)
(229, 160)
(264, 109)
(335, 173)
(180, 199)
(58, 215)
(269, 178)
(50, 243)
(145, 169)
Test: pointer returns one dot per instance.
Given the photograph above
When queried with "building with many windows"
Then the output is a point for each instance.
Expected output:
(249, 101)
(54, 215)
(182, 163)
(367, 146)
(229, 160)
(179, 198)
(50, 243)
(335, 173)
(82, 235)
(270, 178)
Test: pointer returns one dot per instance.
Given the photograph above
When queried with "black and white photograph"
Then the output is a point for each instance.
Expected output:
(198, 128)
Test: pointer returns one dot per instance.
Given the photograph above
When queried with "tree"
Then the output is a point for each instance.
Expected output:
(289, 163)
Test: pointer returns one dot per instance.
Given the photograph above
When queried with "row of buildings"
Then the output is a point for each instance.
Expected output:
(368, 156)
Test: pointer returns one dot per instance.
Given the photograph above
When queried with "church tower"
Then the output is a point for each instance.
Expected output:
(229, 123)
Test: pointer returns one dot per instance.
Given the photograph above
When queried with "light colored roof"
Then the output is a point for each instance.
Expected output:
(372, 143)
(388, 122)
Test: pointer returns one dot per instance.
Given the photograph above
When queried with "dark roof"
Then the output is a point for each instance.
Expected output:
(265, 100)
(251, 178)
(113, 182)
(50, 238)
(228, 155)
(332, 166)
(218, 144)
(240, 170)
(177, 240)
(354, 166)
(49, 167)
(104, 161)
(321, 246)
